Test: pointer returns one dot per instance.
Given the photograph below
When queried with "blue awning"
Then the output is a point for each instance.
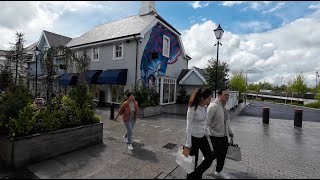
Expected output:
(113, 76)
(91, 76)
(68, 79)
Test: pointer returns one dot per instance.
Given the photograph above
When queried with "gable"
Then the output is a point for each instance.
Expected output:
(193, 79)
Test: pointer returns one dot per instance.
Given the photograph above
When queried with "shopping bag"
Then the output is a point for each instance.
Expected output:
(233, 152)
(186, 163)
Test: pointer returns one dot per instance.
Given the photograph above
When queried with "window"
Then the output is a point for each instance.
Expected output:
(95, 54)
(166, 46)
(118, 51)
(117, 93)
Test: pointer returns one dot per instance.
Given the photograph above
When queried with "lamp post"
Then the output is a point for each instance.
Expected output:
(317, 75)
(36, 52)
(218, 33)
(245, 98)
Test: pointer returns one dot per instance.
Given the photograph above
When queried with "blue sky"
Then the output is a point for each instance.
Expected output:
(273, 39)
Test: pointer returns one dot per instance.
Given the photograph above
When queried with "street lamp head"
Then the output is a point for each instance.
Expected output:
(37, 51)
(218, 32)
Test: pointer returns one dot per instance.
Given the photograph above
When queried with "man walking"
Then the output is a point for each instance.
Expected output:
(218, 123)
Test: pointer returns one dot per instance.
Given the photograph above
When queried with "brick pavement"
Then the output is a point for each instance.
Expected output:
(277, 150)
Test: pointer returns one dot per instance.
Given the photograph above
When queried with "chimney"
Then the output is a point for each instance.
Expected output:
(147, 7)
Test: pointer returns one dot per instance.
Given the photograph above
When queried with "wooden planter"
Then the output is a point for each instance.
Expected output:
(149, 111)
(32, 148)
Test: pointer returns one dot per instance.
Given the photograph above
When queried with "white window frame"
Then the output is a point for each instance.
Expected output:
(118, 95)
(93, 54)
(114, 51)
(166, 46)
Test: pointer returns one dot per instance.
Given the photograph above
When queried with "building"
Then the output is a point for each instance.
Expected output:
(191, 79)
(140, 49)
(46, 41)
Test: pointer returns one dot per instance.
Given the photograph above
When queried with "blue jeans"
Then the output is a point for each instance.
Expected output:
(129, 125)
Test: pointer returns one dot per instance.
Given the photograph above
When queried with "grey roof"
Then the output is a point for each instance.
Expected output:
(115, 29)
(56, 40)
(185, 71)
(182, 74)
(201, 71)
(30, 49)
(3, 52)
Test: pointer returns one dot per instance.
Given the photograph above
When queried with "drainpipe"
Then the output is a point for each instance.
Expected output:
(135, 79)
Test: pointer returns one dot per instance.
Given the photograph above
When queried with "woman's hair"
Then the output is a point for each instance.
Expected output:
(197, 95)
(129, 94)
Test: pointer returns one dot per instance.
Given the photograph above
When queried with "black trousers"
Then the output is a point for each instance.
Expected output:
(220, 147)
(203, 145)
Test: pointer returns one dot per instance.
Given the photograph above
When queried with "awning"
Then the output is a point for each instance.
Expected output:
(113, 76)
(91, 76)
(68, 79)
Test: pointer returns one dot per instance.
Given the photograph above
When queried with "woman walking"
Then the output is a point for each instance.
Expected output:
(197, 131)
(129, 109)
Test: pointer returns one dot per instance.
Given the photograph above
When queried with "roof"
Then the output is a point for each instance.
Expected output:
(182, 74)
(121, 28)
(30, 49)
(201, 71)
(56, 40)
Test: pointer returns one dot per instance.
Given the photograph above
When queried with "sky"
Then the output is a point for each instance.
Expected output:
(272, 41)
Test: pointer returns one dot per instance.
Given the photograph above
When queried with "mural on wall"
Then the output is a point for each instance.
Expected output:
(153, 62)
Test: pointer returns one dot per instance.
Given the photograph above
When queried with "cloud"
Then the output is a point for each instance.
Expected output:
(200, 4)
(231, 3)
(270, 55)
(60, 17)
(278, 6)
(254, 26)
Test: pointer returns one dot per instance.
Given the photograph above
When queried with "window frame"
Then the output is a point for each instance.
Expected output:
(168, 46)
(93, 54)
(114, 51)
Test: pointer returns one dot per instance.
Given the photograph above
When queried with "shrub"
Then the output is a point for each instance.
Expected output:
(12, 102)
(146, 96)
(24, 123)
(314, 105)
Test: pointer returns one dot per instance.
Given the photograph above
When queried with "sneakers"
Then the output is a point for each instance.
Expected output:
(130, 147)
(222, 175)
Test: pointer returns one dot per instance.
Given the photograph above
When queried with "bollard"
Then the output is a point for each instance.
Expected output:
(111, 111)
(265, 115)
(298, 117)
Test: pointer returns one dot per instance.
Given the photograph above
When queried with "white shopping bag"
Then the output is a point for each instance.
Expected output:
(234, 152)
(187, 163)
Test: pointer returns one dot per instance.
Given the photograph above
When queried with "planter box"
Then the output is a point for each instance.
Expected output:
(32, 148)
(149, 111)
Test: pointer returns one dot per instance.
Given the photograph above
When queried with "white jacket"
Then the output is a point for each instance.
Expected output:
(218, 119)
(196, 126)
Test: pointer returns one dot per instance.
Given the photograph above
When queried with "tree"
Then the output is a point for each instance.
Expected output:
(17, 56)
(6, 78)
(238, 82)
(210, 74)
(299, 85)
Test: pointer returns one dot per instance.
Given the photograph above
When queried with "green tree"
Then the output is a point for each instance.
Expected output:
(17, 56)
(299, 85)
(210, 74)
(6, 78)
(238, 82)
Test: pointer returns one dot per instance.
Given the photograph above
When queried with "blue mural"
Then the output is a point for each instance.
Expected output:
(153, 62)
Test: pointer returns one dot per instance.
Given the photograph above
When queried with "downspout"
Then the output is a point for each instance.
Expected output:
(135, 79)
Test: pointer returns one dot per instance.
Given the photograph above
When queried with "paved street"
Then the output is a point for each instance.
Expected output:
(277, 150)
(280, 111)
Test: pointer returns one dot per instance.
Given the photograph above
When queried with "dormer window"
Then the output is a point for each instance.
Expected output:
(118, 51)
(166, 46)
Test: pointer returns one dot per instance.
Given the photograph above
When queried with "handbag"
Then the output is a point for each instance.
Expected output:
(234, 151)
(185, 162)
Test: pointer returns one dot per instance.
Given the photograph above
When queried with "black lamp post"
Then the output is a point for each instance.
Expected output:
(218, 32)
(36, 52)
